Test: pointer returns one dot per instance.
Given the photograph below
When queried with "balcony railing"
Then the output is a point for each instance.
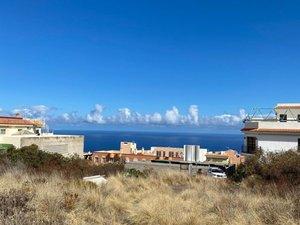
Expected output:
(261, 114)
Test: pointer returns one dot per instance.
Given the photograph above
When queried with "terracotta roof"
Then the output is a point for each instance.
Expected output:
(269, 130)
(14, 121)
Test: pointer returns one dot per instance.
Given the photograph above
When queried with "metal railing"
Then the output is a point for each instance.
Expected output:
(261, 114)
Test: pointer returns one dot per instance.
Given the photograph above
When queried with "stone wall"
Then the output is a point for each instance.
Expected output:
(62, 144)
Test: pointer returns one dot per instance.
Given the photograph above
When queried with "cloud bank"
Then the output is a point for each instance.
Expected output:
(127, 116)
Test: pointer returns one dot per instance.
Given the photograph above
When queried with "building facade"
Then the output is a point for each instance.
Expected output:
(226, 158)
(21, 132)
(167, 153)
(127, 147)
(193, 153)
(278, 130)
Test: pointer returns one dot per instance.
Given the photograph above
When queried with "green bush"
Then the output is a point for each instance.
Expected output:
(136, 173)
(37, 161)
(281, 168)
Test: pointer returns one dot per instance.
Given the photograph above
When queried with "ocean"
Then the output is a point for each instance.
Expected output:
(110, 140)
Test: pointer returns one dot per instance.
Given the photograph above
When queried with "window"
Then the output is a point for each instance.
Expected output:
(164, 154)
(171, 154)
(2, 131)
(282, 117)
(298, 118)
(299, 144)
(158, 153)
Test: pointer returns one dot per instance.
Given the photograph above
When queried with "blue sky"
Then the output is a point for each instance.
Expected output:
(147, 57)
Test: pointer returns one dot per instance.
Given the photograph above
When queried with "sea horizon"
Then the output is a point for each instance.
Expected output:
(97, 140)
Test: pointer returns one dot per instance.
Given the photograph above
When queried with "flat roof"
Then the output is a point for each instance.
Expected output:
(288, 105)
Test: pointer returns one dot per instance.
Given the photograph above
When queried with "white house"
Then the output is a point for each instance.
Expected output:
(22, 132)
(276, 130)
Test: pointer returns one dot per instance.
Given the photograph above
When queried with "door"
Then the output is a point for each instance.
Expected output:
(251, 145)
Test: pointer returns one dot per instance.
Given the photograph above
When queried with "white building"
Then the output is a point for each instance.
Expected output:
(24, 132)
(193, 153)
(276, 130)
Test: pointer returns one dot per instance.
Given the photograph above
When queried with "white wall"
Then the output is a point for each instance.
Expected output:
(291, 113)
(277, 142)
(9, 131)
(274, 142)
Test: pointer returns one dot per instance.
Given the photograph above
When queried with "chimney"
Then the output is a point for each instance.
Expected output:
(18, 115)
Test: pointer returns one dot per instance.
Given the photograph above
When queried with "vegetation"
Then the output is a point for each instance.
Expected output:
(282, 168)
(165, 198)
(31, 193)
(33, 160)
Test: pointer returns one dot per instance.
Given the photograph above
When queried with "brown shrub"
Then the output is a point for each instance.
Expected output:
(160, 198)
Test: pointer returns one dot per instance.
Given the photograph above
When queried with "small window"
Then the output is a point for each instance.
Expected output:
(171, 154)
(298, 144)
(298, 118)
(2, 131)
(158, 153)
(282, 117)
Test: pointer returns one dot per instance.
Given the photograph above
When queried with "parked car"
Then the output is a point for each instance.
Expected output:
(216, 172)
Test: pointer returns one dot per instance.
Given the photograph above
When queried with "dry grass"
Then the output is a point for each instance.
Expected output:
(168, 198)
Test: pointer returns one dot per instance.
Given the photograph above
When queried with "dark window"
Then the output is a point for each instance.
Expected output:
(251, 145)
(298, 144)
(298, 118)
(164, 154)
(282, 117)
(158, 153)
(171, 154)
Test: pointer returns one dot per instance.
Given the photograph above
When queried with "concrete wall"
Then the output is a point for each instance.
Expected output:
(62, 144)
(277, 142)
(274, 142)
(14, 140)
(273, 125)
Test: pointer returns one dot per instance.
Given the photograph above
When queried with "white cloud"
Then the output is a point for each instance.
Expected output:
(71, 117)
(225, 119)
(155, 118)
(171, 117)
(95, 116)
(193, 116)
(37, 111)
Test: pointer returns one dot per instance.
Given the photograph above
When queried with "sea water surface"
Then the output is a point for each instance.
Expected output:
(110, 140)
